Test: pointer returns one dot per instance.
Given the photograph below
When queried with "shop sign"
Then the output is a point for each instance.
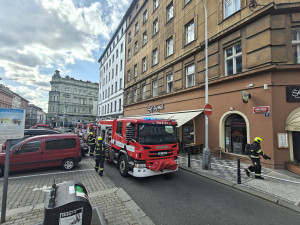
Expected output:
(293, 93)
(261, 109)
(155, 108)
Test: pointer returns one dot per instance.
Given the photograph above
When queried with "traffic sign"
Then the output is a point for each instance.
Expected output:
(208, 109)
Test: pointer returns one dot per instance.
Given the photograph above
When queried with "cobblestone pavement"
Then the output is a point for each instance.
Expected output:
(27, 192)
(280, 186)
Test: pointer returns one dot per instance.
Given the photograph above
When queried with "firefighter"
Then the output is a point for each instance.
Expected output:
(100, 156)
(255, 152)
(91, 143)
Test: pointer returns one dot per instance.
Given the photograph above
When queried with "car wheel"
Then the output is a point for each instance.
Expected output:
(1, 171)
(123, 166)
(68, 164)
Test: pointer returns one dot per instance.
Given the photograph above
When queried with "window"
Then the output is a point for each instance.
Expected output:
(115, 109)
(231, 6)
(120, 104)
(145, 38)
(121, 64)
(190, 76)
(144, 92)
(169, 83)
(32, 146)
(169, 44)
(129, 54)
(155, 56)
(170, 13)
(154, 88)
(121, 50)
(136, 27)
(120, 86)
(155, 26)
(136, 47)
(135, 70)
(187, 1)
(129, 36)
(233, 60)
(116, 86)
(59, 144)
(117, 53)
(135, 95)
(119, 128)
(145, 16)
(128, 98)
(296, 45)
(144, 64)
(155, 4)
(190, 32)
(128, 75)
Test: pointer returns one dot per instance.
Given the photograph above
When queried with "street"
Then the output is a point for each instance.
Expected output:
(186, 198)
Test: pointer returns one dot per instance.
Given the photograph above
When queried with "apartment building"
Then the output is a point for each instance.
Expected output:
(253, 66)
(111, 78)
(71, 100)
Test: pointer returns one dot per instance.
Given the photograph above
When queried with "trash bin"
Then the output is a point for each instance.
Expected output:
(68, 203)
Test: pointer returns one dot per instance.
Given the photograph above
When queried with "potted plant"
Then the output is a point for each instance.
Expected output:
(293, 166)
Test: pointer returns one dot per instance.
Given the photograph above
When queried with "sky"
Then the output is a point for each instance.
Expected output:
(38, 37)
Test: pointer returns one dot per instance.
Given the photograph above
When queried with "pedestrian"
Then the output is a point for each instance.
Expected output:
(255, 152)
(91, 143)
(100, 156)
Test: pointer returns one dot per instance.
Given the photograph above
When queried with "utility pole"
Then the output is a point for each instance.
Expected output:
(206, 162)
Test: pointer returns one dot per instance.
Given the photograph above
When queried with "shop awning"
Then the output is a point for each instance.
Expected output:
(181, 117)
(293, 121)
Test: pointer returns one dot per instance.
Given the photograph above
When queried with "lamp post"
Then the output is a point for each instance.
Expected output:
(206, 162)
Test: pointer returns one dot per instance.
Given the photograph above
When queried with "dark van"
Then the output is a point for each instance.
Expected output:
(44, 151)
(30, 133)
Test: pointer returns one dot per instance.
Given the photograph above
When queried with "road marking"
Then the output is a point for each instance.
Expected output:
(47, 174)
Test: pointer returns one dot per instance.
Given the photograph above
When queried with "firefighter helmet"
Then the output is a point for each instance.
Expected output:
(258, 139)
(91, 133)
(99, 138)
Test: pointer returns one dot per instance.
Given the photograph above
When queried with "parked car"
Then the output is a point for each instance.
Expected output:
(30, 133)
(41, 126)
(44, 151)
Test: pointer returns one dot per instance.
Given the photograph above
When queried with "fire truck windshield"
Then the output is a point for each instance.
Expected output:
(153, 134)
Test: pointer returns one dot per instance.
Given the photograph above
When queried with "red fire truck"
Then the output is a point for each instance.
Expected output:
(141, 147)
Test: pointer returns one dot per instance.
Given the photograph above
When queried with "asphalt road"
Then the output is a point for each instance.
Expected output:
(185, 198)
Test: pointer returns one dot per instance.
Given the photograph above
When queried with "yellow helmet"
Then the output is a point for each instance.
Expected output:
(91, 132)
(258, 139)
(99, 138)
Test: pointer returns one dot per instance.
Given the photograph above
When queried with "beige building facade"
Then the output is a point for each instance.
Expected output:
(253, 70)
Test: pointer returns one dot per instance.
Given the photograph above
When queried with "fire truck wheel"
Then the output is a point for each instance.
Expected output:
(123, 166)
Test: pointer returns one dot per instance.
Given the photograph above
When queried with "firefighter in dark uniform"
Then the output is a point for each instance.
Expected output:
(91, 143)
(100, 156)
(255, 152)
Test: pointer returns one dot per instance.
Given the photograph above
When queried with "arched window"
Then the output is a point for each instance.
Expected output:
(235, 134)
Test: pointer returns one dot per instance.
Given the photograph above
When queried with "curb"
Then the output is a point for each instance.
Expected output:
(248, 190)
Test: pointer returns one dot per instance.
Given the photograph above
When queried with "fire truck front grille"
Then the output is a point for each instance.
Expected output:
(161, 153)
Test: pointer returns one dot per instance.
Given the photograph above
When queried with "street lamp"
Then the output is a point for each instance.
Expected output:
(206, 151)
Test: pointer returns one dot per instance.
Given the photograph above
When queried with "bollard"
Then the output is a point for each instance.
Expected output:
(239, 171)
(189, 157)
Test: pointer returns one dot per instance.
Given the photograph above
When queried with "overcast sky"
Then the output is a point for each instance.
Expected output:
(38, 37)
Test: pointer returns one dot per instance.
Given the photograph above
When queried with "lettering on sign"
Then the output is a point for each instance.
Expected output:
(155, 108)
(261, 109)
(293, 93)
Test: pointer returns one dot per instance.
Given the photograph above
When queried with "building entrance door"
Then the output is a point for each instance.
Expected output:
(235, 134)
(296, 145)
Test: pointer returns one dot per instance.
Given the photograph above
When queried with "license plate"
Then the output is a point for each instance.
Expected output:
(162, 153)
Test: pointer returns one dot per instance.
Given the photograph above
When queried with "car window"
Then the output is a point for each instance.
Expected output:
(32, 146)
(58, 144)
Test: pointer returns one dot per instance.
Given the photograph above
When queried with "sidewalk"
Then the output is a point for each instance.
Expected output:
(280, 186)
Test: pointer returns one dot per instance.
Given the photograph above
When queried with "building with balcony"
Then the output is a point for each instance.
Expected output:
(71, 101)
(253, 72)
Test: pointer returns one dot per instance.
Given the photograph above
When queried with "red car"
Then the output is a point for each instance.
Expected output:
(44, 151)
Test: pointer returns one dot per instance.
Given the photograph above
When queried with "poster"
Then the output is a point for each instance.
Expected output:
(12, 123)
(73, 217)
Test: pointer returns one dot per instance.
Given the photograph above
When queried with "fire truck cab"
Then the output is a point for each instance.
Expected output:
(141, 147)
